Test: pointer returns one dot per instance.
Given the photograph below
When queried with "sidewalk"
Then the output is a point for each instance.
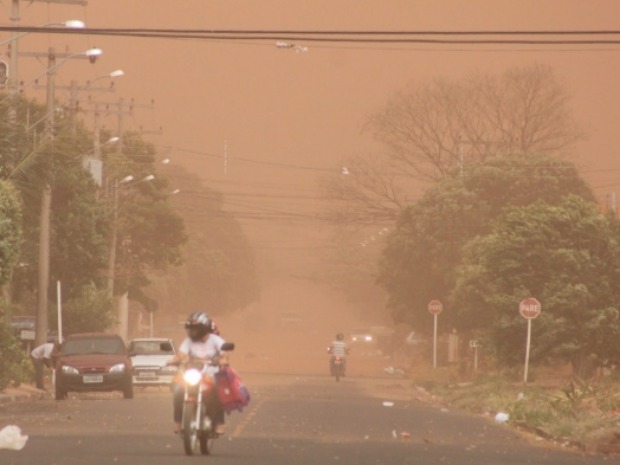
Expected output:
(22, 392)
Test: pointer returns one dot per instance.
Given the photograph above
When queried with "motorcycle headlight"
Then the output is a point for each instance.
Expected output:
(192, 377)
(67, 370)
(118, 368)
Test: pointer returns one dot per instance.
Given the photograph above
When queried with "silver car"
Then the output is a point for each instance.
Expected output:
(149, 357)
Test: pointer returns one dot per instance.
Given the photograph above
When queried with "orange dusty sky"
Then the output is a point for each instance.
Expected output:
(272, 106)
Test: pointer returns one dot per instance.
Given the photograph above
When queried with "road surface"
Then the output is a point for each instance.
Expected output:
(301, 420)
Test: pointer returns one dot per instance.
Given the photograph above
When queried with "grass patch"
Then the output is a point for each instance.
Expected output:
(578, 411)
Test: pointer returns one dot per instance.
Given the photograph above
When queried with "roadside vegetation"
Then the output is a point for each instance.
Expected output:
(114, 230)
(568, 411)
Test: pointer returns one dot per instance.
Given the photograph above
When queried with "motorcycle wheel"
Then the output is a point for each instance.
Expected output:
(190, 434)
(206, 441)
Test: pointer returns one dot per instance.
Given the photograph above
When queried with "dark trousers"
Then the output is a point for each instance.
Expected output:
(38, 371)
(214, 407)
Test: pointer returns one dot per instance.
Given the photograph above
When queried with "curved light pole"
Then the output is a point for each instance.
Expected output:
(14, 40)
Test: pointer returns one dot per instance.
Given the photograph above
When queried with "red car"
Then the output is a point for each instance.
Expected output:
(93, 362)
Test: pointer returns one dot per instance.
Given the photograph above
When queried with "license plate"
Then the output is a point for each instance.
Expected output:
(147, 375)
(88, 379)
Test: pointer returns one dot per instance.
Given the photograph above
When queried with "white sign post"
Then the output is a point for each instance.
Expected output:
(529, 309)
(435, 307)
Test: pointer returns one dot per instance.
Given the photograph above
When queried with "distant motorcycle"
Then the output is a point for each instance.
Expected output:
(198, 428)
(337, 364)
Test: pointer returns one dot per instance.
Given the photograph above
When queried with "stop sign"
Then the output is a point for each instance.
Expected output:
(435, 307)
(529, 308)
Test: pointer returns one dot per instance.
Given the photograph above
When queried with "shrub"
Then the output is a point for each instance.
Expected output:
(14, 363)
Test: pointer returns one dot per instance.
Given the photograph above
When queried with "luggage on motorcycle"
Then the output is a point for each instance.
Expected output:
(231, 391)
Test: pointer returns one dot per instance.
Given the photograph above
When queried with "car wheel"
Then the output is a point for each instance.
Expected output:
(128, 390)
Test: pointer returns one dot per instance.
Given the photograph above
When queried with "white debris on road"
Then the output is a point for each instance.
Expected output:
(11, 437)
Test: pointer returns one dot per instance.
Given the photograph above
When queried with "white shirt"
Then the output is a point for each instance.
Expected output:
(339, 348)
(203, 350)
(43, 351)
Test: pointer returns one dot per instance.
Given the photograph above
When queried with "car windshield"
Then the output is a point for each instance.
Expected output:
(93, 346)
(150, 348)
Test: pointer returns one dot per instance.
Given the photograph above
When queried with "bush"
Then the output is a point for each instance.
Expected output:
(14, 363)
(89, 311)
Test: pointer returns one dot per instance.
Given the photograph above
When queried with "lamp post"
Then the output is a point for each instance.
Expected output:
(14, 41)
(46, 195)
(123, 310)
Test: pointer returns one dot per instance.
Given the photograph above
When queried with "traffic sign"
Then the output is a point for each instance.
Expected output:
(529, 308)
(435, 307)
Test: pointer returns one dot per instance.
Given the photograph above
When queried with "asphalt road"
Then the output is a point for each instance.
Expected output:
(291, 420)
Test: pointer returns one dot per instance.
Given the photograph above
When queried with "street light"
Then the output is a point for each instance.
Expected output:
(123, 306)
(13, 77)
(92, 54)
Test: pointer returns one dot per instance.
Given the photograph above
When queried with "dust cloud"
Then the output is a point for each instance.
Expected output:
(284, 118)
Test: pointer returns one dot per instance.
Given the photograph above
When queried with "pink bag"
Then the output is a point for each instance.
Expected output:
(231, 391)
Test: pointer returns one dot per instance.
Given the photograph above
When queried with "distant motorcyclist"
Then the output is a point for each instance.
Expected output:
(338, 348)
(201, 344)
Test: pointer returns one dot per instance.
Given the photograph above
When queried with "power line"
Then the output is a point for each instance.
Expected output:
(330, 36)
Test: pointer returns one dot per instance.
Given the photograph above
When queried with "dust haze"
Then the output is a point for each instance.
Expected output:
(262, 125)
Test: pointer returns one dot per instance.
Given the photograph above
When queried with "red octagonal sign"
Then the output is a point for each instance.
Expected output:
(435, 307)
(529, 308)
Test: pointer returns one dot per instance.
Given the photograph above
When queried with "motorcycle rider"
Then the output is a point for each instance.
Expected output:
(338, 348)
(202, 344)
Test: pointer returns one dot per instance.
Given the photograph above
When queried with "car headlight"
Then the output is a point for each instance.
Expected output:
(192, 377)
(118, 368)
(368, 338)
(67, 370)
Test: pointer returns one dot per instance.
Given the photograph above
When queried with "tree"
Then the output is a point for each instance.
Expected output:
(436, 126)
(10, 230)
(89, 310)
(430, 128)
(219, 272)
(567, 256)
(149, 232)
(419, 262)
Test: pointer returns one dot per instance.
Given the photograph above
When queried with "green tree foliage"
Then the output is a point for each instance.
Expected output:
(12, 360)
(218, 274)
(419, 262)
(88, 310)
(79, 226)
(567, 255)
(10, 230)
(150, 233)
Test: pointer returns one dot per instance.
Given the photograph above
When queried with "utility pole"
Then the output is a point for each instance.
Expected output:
(46, 190)
(74, 88)
(15, 18)
(123, 300)
(46, 210)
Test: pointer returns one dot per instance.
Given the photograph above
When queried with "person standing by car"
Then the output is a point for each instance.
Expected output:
(202, 344)
(41, 356)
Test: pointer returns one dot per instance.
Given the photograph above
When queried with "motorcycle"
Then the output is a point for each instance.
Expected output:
(197, 427)
(337, 366)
